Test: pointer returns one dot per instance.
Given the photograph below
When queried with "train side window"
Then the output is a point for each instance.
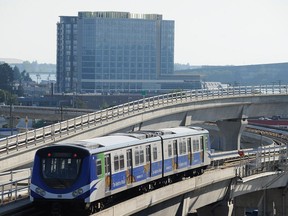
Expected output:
(137, 157)
(182, 146)
(107, 164)
(169, 150)
(147, 154)
(189, 144)
(99, 167)
(206, 142)
(195, 145)
(201, 143)
(154, 153)
(122, 162)
(174, 147)
(141, 156)
(116, 163)
(129, 159)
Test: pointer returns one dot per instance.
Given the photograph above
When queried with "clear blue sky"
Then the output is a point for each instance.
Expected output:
(207, 32)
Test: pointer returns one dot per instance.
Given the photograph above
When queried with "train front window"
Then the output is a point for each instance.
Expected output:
(60, 172)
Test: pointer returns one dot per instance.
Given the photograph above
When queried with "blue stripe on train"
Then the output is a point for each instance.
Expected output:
(156, 168)
(183, 161)
(197, 158)
(143, 172)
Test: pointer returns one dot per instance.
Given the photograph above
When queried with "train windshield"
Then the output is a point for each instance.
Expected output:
(60, 170)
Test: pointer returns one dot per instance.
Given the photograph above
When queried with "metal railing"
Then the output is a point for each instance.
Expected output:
(264, 159)
(56, 131)
(14, 185)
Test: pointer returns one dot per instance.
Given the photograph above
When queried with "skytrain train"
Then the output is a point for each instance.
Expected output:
(90, 173)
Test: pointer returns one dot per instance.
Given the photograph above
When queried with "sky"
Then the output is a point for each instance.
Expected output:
(207, 32)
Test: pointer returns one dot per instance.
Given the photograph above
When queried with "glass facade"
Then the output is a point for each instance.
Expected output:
(116, 52)
(67, 54)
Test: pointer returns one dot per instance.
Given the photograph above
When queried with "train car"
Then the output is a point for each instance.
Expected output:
(90, 173)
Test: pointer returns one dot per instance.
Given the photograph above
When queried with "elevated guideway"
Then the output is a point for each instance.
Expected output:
(209, 194)
(229, 180)
(169, 110)
(226, 190)
(45, 113)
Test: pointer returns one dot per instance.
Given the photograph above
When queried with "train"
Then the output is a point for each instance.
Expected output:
(90, 173)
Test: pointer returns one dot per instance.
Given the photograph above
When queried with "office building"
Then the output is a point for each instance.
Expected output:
(66, 68)
(114, 52)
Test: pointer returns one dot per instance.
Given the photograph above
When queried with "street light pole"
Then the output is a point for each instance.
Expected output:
(11, 119)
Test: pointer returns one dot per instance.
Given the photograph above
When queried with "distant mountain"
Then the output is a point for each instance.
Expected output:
(11, 60)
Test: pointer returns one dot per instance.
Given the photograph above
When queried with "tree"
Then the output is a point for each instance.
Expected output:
(6, 74)
(7, 97)
(16, 73)
(25, 76)
(2, 96)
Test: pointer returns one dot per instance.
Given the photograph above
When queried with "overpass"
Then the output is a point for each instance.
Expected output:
(228, 107)
(224, 189)
(45, 113)
(215, 193)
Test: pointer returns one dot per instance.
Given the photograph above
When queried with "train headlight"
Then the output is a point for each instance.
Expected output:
(80, 191)
(40, 191)
(77, 192)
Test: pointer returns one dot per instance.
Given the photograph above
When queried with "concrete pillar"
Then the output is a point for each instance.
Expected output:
(185, 204)
(231, 131)
(243, 203)
(274, 202)
(268, 202)
(187, 119)
(238, 211)
(218, 209)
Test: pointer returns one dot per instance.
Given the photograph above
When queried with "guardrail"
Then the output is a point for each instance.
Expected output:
(14, 185)
(56, 131)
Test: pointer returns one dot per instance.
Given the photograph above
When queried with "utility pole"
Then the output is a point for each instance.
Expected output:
(11, 118)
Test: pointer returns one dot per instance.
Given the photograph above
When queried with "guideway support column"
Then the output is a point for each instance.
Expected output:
(217, 209)
(230, 131)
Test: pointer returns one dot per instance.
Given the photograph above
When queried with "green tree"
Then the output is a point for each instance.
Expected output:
(7, 97)
(25, 76)
(3, 96)
(6, 74)
(20, 78)
(16, 73)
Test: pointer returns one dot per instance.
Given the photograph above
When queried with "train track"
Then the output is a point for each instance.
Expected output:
(25, 210)
(233, 159)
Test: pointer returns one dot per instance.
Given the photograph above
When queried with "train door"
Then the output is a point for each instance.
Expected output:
(107, 173)
(189, 151)
(148, 161)
(175, 154)
(129, 174)
(202, 149)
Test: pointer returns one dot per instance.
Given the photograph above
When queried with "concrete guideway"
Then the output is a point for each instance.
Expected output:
(175, 191)
(267, 192)
(170, 110)
(212, 192)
